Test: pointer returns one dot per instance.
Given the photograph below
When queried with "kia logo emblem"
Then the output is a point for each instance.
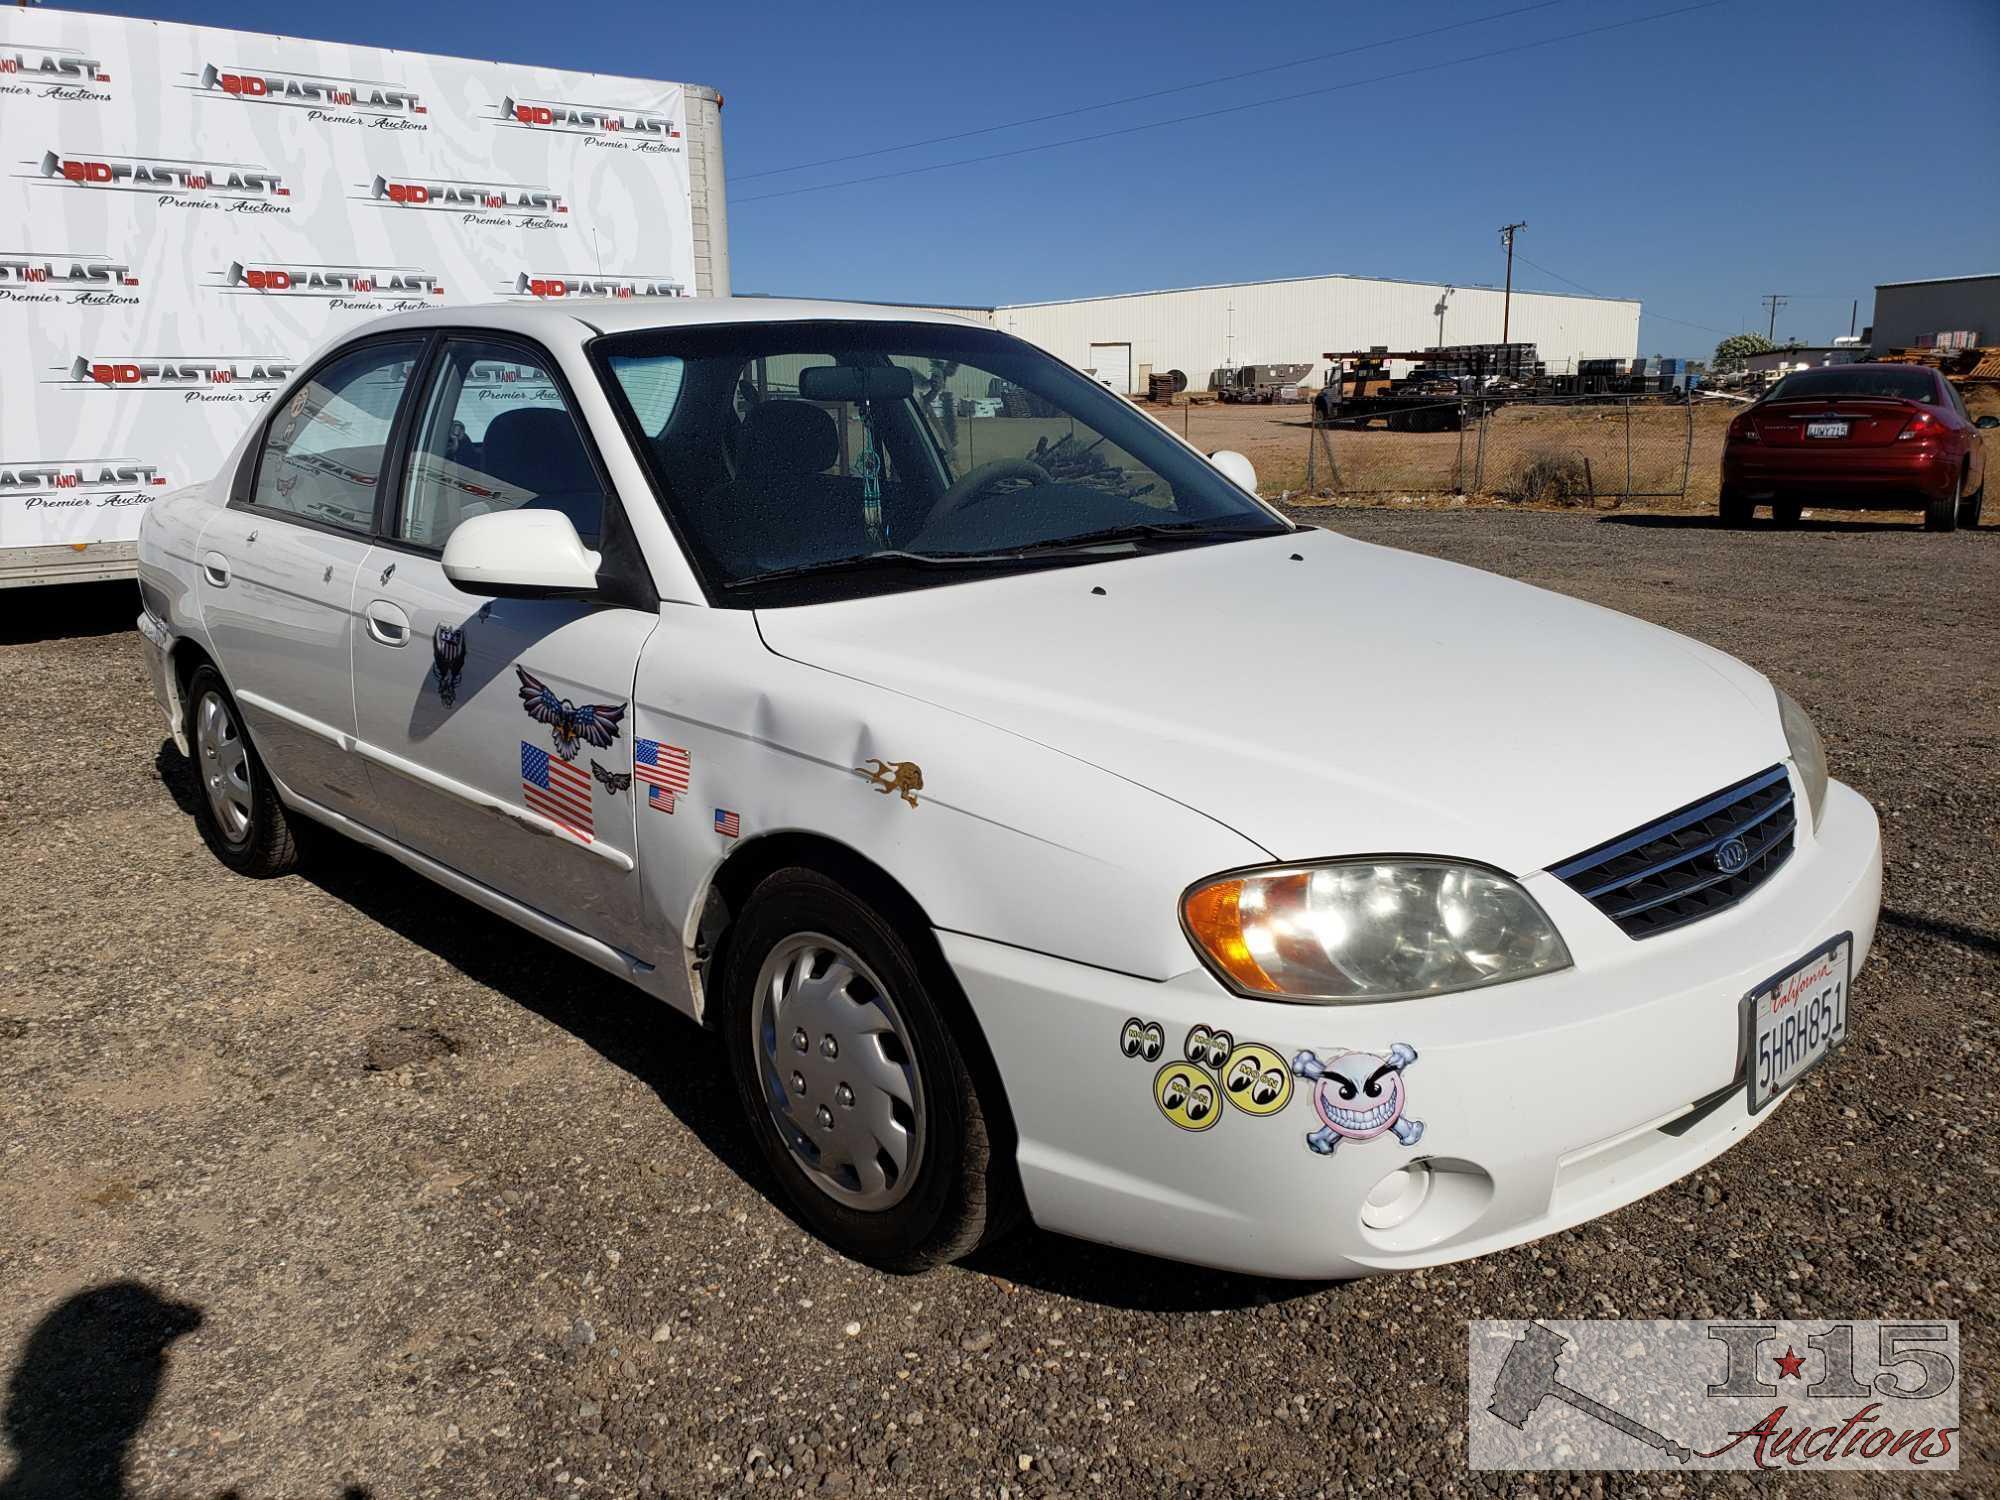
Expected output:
(1731, 855)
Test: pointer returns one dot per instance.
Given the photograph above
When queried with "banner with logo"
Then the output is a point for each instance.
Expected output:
(185, 213)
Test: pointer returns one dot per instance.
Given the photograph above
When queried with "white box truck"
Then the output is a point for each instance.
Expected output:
(186, 211)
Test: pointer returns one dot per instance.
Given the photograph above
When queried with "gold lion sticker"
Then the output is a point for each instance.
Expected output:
(903, 778)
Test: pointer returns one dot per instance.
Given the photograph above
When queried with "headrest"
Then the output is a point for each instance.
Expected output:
(788, 437)
(536, 448)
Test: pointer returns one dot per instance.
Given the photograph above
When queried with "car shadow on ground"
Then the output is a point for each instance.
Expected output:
(67, 610)
(1661, 521)
(683, 1064)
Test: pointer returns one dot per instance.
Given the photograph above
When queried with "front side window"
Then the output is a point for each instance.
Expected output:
(893, 455)
(323, 452)
(496, 433)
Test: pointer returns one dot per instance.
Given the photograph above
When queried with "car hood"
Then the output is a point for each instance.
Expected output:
(1322, 696)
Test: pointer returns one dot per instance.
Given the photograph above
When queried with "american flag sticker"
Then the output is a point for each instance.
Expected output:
(556, 789)
(727, 823)
(664, 769)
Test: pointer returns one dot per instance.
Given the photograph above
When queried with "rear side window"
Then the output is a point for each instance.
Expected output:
(323, 452)
(496, 434)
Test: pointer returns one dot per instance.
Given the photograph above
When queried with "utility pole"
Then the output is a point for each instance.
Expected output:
(1774, 301)
(1507, 302)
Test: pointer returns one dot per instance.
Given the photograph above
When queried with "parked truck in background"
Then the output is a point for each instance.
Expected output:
(191, 210)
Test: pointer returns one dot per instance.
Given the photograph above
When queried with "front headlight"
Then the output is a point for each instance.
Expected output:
(1808, 754)
(1368, 930)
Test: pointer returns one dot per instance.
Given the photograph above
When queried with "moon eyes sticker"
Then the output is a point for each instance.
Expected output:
(1356, 1096)
(1213, 1072)
(1139, 1038)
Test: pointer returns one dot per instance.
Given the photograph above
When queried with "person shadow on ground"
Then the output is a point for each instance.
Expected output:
(85, 1384)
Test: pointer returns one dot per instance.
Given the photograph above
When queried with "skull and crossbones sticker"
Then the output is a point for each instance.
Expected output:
(1358, 1096)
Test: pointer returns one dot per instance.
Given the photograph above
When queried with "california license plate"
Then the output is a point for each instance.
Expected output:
(1826, 429)
(1794, 1020)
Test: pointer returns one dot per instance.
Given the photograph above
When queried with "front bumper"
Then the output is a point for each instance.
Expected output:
(1544, 1103)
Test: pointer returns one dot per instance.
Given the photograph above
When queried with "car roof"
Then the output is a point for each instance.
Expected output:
(584, 318)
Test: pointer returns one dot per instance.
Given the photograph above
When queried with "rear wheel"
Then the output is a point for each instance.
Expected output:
(1969, 505)
(1736, 509)
(1941, 511)
(238, 812)
(857, 1092)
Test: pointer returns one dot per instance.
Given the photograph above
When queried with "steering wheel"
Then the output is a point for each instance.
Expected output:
(971, 484)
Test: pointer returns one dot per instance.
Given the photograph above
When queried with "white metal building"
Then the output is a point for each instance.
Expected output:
(1124, 338)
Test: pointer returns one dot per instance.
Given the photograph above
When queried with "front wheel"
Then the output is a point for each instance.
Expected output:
(857, 1091)
(1788, 512)
(1736, 509)
(238, 812)
(1941, 511)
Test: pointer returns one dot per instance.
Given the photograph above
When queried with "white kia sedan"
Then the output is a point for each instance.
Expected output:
(1045, 823)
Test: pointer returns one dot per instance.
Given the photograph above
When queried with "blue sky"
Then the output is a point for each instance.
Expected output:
(1698, 161)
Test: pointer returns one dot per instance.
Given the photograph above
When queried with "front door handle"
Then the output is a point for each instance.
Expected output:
(215, 568)
(387, 623)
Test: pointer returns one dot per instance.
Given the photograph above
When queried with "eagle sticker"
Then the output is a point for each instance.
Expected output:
(613, 782)
(448, 660)
(571, 725)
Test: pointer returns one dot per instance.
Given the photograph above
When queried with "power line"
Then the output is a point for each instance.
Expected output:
(1181, 88)
(1683, 322)
(1232, 109)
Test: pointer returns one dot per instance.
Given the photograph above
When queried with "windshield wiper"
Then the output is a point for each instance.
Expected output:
(1148, 531)
(868, 561)
(1052, 549)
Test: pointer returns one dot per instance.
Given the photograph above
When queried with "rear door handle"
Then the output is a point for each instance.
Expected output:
(387, 623)
(215, 568)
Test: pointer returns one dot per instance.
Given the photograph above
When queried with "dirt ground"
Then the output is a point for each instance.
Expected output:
(336, 1185)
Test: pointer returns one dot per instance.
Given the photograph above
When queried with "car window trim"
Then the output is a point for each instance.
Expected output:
(247, 501)
(624, 563)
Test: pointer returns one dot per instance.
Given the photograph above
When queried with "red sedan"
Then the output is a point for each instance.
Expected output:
(1862, 436)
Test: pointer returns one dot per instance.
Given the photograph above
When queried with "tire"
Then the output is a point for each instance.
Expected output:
(1787, 512)
(951, 1193)
(236, 806)
(1735, 510)
(1969, 505)
(1941, 512)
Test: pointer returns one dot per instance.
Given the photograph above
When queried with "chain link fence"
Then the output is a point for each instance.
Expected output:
(1576, 450)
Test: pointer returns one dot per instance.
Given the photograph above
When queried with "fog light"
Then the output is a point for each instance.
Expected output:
(1396, 1198)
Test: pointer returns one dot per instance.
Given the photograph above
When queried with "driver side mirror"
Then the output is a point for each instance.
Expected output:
(520, 554)
(1235, 468)
(1987, 421)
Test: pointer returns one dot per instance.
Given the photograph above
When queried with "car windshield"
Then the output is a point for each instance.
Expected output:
(1856, 380)
(821, 459)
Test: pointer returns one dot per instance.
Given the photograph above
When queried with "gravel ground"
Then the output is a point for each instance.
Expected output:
(336, 1185)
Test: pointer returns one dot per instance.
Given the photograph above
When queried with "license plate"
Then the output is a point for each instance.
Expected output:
(1826, 429)
(1794, 1019)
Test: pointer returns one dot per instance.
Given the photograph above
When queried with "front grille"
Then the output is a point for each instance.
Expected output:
(1667, 874)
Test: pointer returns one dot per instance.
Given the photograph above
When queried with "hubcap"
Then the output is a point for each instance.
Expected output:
(224, 762)
(839, 1072)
